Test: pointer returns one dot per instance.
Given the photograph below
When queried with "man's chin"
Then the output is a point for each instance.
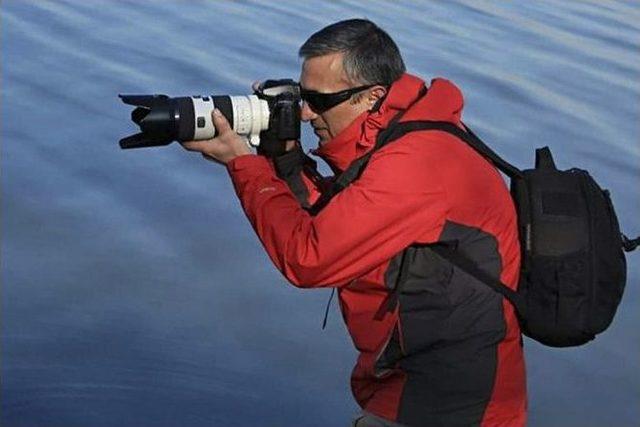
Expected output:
(323, 136)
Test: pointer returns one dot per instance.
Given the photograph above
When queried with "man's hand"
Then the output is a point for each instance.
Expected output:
(223, 148)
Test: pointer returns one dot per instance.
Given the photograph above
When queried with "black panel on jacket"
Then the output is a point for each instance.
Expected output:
(451, 326)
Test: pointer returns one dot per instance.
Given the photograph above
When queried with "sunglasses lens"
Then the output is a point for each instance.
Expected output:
(317, 102)
(321, 102)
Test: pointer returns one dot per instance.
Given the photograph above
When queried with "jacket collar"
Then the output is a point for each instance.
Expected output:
(443, 101)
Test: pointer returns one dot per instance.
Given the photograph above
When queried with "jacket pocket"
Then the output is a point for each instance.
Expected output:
(424, 300)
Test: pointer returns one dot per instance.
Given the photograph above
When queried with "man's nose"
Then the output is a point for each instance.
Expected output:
(306, 113)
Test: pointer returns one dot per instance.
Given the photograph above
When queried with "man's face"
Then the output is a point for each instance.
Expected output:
(325, 74)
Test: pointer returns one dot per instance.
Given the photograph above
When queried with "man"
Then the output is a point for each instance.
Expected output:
(448, 353)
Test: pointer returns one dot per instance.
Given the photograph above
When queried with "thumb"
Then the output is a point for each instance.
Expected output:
(220, 122)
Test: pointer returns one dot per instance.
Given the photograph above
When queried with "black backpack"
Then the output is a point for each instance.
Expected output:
(573, 268)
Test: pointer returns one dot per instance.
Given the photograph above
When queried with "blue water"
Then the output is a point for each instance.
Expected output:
(134, 292)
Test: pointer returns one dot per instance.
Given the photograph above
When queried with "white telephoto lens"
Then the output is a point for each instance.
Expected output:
(250, 117)
(202, 108)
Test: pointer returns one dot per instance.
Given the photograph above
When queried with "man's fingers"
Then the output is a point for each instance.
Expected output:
(224, 147)
(220, 122)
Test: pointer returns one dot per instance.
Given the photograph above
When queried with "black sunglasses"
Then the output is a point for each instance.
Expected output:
(321, 102)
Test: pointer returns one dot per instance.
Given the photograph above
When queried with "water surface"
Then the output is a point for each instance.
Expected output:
(134, 292)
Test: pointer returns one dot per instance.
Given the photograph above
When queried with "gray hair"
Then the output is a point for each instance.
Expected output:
(370, 55)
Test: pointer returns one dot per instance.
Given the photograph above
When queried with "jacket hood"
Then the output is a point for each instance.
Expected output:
(443, 102)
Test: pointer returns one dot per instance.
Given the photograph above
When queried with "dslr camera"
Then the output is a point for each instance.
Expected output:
(268, 118)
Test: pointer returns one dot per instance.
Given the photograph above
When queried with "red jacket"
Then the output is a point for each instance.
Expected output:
(450, 353)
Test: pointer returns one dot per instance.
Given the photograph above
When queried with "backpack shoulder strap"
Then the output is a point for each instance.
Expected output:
(471, 268)
(396, 130)
(468, 137)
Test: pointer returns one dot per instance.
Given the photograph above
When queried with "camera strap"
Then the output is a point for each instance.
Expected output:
(291, 166)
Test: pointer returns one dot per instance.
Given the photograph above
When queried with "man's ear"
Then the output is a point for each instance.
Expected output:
(375, 97)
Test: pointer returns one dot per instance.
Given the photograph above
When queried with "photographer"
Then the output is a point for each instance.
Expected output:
(448, 350)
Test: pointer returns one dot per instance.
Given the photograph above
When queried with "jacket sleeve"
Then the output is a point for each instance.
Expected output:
(397, 201)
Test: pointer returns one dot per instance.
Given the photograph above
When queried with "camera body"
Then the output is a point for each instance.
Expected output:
(268, 118)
